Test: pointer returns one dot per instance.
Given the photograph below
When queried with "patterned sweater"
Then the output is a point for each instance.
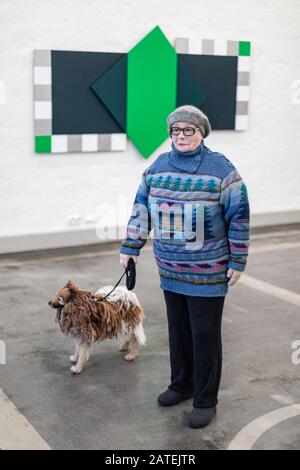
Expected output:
(197, 205)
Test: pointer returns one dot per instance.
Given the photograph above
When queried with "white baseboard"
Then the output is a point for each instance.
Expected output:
(269, 219)
(88, 236)
(55, 239)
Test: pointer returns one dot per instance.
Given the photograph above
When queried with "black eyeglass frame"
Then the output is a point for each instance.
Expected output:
(183, 130)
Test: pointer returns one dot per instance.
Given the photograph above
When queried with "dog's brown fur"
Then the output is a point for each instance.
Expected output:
(90, 321)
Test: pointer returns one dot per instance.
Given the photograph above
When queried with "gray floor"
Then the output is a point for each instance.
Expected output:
(112, 405)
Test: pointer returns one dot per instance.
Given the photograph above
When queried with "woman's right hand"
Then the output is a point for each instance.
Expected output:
(125, 258)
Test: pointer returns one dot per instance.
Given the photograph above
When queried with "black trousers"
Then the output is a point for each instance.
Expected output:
(195, 345)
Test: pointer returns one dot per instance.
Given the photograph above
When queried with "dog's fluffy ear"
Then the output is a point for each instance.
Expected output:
(71, 286)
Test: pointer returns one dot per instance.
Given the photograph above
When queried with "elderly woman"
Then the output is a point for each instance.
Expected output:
(197, 203)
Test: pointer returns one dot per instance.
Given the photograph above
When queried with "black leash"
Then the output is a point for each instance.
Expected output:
(103, 298)
(130, 278)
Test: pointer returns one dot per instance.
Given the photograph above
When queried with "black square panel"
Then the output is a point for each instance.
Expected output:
(217, 79)
(75, 107)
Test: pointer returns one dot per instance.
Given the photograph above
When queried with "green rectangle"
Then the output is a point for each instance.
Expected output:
(43, 144)
(244, 48)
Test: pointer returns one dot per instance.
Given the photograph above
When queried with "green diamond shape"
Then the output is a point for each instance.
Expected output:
(151, 90)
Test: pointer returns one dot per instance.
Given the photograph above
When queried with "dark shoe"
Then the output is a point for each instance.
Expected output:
(169, 397)
(201, 417)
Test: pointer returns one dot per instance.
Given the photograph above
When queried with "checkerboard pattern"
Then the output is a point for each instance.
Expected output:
(240, 49)
(45, 141)
(80, 143)
(42, 93)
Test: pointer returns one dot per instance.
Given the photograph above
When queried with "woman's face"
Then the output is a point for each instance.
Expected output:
(186, 143)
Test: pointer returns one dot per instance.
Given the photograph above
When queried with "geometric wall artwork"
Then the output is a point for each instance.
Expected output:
(93, 101)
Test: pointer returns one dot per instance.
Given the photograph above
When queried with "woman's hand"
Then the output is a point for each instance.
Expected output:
(125, 258)
(234, 276)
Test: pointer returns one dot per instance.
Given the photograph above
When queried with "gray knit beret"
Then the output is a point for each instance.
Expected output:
(189, 113)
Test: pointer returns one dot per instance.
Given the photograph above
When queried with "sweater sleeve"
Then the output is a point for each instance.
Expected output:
(234, 199)
(139, 224)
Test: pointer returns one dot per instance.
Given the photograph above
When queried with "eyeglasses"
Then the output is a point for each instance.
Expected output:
(187, 131)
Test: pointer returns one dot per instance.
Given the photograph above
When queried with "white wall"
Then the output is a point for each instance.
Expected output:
(39, 192)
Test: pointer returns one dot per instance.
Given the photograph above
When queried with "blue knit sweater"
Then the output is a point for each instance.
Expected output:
(197, 205)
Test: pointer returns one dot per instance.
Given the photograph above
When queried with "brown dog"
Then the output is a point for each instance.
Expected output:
(88, 320)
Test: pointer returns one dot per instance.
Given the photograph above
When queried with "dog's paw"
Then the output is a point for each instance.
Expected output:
(73, 359)
(124, 346)
(129, 357)
(75, 370)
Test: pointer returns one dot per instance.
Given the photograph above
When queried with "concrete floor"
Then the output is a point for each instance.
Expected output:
(112, 404)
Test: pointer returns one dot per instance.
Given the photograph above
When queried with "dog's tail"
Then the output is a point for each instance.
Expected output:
(121, 295)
